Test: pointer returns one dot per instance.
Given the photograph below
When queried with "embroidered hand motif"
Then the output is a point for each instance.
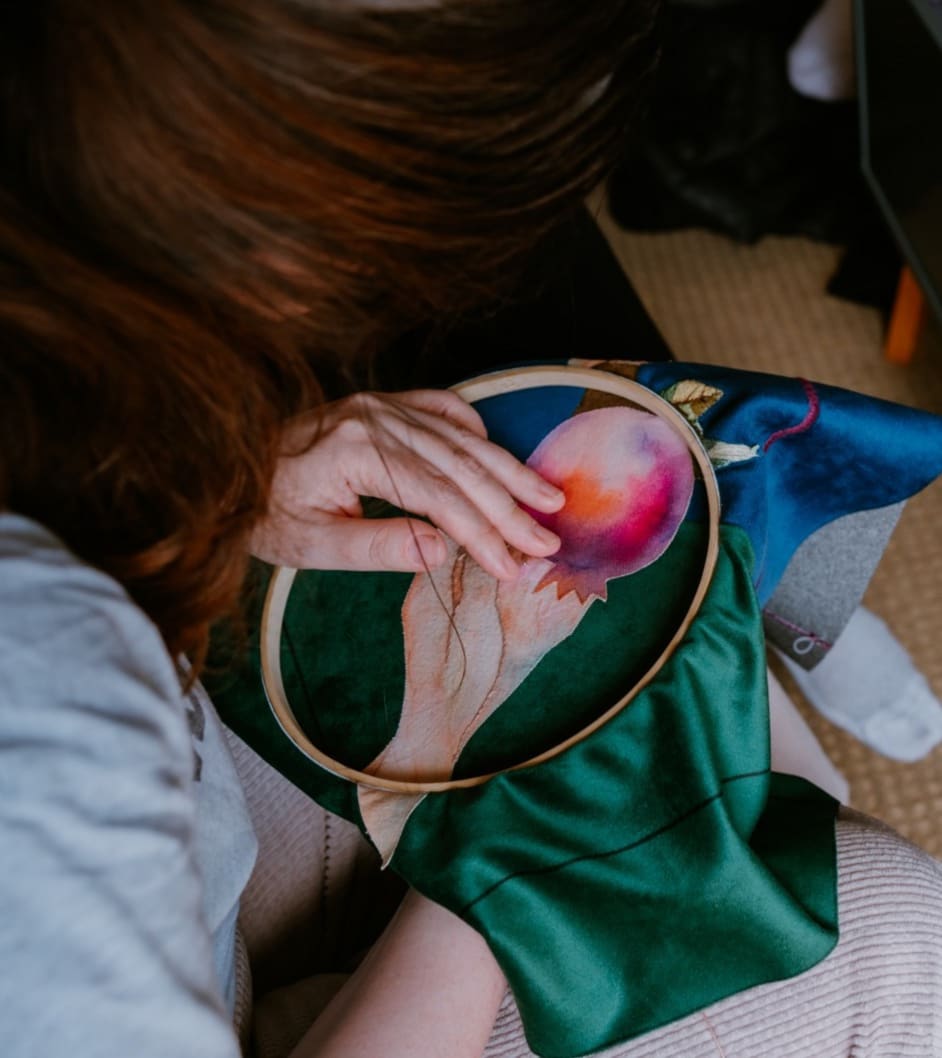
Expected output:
(471, 640)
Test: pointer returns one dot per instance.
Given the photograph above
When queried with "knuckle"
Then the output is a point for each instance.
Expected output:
(493, 536)
(469, 465)
(522, 521)
(444, 398)
(452, 406)
(367, 404)
(381, 548)
(468, 438)
(477, 428)
(436, 395)
(489, 544)
(441, 487)
(504, 504)
(366, 399)
(465, 416)
(351, 429)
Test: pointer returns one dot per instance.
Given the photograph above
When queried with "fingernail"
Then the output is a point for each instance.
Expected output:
(508, 567)
(427, 550)
(552, 493)
(546, 536)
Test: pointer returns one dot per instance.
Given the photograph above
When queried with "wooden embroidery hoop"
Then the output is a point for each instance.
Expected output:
(493, 385)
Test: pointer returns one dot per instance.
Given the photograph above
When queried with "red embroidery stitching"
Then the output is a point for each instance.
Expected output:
(792, 627)
(814, 410)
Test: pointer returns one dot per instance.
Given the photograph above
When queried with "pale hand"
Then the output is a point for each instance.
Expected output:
(425, 451)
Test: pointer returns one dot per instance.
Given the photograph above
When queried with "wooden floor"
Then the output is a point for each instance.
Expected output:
(765, 307)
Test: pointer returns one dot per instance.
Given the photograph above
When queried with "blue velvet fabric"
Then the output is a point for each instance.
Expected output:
(820, 457)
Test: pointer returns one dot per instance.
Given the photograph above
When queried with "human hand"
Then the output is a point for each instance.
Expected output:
(426, 451)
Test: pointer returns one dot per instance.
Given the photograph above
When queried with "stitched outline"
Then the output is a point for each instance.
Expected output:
(811, 417)
(549, 869)
(792, 627)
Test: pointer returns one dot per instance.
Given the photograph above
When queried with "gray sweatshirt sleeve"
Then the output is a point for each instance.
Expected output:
(104, 950)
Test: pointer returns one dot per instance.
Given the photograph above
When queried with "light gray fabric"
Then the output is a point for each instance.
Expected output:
(824, 583)
(224, 844)
(105, 945)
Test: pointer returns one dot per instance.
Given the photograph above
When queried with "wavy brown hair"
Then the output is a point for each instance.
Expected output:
(205, 205)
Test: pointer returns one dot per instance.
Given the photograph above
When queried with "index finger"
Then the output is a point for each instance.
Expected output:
(448, 405)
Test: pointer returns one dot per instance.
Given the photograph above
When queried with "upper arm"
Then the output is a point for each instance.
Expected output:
(103, 945)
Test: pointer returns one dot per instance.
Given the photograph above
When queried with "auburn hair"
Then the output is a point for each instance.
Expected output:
(206, 207)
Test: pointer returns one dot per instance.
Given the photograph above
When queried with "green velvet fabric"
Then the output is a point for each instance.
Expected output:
(651, 869)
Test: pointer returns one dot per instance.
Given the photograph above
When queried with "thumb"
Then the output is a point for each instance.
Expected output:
(391, 544)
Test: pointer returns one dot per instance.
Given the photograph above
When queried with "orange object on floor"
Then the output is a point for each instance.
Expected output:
(907, 320)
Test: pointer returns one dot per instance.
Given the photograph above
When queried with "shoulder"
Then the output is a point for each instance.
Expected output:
(53, 604)
(83, 672)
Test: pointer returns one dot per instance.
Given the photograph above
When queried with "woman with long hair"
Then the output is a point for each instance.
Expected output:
(212, 217)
